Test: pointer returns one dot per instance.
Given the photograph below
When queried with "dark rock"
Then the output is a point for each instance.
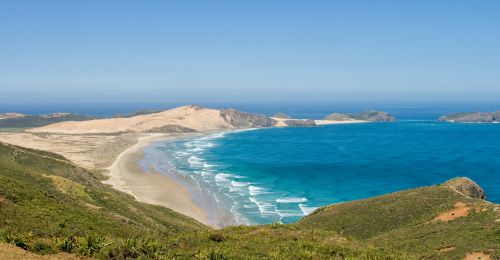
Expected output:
(282, 115)
(242, 119)
(300, 122)
(466, 187)
(472, 117)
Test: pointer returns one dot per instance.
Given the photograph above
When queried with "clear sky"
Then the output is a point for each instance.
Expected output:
(247, 51)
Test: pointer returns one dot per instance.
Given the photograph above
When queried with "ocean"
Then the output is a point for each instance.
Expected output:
(282, 174)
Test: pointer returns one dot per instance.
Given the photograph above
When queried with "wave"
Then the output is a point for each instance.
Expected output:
(240, 184)
(306, 209)
(193, 160)
(254, 190)
(265, 208)
(291, 200)
(224, 177)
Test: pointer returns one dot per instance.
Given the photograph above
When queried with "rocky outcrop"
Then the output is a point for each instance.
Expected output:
(282, 116)
(370, 115)
(472, 117)
(300, 122)
(244, 120)
(466, 187)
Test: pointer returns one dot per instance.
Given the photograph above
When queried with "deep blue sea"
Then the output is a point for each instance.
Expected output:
(281, 174)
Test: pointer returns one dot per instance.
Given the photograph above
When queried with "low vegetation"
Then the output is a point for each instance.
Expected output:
(26, 121)
(50, 206)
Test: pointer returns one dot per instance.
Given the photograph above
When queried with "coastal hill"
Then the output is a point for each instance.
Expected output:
(191, 119)
(50, 206)
(472, 117)
(16, 120)
(184, 119)
(370, 115)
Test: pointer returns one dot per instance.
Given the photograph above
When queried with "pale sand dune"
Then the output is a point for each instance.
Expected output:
(93, 152)
(280, 122)
(193, 117)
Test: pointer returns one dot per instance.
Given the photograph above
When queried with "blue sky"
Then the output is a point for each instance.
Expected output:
(249, 51)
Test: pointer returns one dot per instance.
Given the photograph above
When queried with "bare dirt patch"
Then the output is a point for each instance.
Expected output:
(460, 210)
(446, 249)
(477, 256)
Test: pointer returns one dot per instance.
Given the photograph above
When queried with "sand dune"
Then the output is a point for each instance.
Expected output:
(188, 117)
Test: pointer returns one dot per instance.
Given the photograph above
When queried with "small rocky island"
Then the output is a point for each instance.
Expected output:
(472, 117)
(370, 115)
(282, 116)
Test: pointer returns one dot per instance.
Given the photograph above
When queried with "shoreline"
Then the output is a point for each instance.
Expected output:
(166, 188)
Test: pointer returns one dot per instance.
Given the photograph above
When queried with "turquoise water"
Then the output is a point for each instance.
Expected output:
(281, 174)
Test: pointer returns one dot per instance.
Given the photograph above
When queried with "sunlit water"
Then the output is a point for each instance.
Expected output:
(281, 174)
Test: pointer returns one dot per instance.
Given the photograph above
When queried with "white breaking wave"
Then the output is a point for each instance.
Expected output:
(193, 160)
(224, 177)
(291, 200)
(240, 184)
(254, 190)
(265, 208)
(288, 213)
(307, 210)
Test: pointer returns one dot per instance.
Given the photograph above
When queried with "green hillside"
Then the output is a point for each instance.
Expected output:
(48, 205)
(407, 221)
(26, 121)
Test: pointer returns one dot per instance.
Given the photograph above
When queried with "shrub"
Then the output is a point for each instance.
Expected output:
(68, 244)
(42, 247)
(212, 254)
(217, 237)
(152, 249)
(7, 236)
(92, 244)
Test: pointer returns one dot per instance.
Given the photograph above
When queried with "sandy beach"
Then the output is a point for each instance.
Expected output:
(168, 189)
(115, 146)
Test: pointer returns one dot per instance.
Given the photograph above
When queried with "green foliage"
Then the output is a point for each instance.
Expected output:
(212, 254)
(7, 236)
(49, 205)
(217, 237)
(67, 244)
(41, 246)
(92, 244)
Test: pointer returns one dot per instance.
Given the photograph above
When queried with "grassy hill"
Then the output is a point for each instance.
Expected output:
(425, 222)
(50, 206)
(26, 121)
